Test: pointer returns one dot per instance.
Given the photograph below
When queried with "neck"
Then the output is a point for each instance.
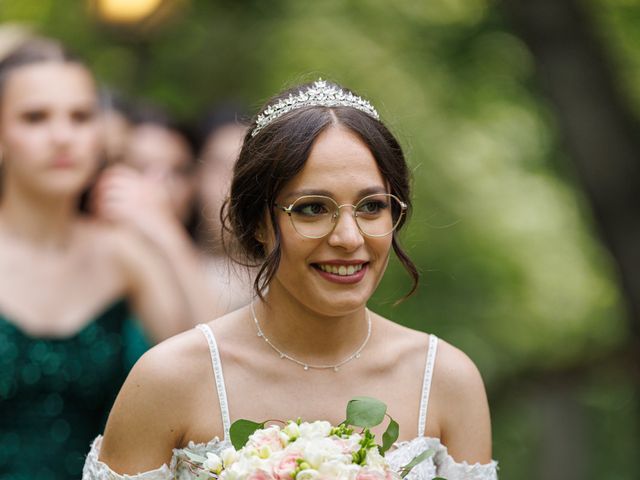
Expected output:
(308, 336)
(45, 221)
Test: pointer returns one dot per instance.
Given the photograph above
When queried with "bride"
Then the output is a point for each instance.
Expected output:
(319, 194)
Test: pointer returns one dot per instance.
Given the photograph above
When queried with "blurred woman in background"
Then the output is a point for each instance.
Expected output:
(221, 134)
(68, 281)
(151, 192)
(158, 192)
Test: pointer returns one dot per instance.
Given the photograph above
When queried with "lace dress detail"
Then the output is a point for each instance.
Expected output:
(439, 464)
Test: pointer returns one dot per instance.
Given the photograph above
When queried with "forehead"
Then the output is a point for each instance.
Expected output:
(339, 163)
(48, 83)
(154, 145)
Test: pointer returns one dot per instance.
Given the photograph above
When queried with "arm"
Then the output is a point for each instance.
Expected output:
(150, 286)
(126, 197)
(461, 406)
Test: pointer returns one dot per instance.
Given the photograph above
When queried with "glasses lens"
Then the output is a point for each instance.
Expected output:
(378, 215)
(313, 216)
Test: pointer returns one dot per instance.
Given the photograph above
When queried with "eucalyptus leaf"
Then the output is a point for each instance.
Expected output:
(390, 435)
(404, 471)
(241, 430)
(365, 412)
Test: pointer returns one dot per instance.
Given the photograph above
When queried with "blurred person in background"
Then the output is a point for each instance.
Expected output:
(221, 133)
(68, 280)
(151, 191)
(116, 125)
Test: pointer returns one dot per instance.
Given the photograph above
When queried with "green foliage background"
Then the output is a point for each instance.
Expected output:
(513, 272)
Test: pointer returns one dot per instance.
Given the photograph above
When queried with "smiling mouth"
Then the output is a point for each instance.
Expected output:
(340, 270)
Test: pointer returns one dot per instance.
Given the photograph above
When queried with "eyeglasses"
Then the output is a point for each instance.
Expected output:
(316, 216)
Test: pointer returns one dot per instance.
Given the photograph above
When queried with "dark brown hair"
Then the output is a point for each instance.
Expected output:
(32, 51)
(278, 152)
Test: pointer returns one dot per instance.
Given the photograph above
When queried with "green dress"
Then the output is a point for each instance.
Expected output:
(55, 394)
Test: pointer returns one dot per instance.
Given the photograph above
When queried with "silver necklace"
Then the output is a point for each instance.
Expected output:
(306, 365)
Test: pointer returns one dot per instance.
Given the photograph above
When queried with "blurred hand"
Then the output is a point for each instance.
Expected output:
(140, 201)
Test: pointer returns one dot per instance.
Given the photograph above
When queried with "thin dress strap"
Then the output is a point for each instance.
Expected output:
(426, 384)
(217, 372)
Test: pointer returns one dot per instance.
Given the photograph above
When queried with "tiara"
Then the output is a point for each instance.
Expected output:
(319, 94)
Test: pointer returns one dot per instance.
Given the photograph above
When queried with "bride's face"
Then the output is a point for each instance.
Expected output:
(48, 133)
(336, 274)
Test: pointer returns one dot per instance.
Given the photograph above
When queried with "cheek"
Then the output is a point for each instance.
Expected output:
(381, 248)
(89, 140)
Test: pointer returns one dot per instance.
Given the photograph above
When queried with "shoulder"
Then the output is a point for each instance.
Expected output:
(455, 372)
(459, 405)
(166, 377)
(400, 341)
(152, 413)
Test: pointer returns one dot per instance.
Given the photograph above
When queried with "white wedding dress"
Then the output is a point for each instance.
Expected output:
(440, 464)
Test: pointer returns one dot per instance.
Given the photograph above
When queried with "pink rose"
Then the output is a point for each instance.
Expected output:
(287, 467)
(367, 474)
(269, 437)
(259, 475)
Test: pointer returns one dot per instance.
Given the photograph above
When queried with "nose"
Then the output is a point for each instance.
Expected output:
(346, 233)
(61, 131)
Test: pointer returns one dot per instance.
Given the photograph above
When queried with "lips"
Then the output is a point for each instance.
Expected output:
(63, 161)
(342, 272)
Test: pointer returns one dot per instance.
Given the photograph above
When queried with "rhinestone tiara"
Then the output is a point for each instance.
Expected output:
(319, 94)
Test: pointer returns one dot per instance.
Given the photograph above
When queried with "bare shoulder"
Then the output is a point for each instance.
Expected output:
(455, 373)
(393, 337)
(174, 363)
(459, 405)
(153, 410)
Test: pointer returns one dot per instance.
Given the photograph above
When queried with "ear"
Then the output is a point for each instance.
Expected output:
(264, 234)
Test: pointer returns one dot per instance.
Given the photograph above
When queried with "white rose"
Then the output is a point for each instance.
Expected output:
(338, 470)
(374, 459)
(307, 474)
(315, 429)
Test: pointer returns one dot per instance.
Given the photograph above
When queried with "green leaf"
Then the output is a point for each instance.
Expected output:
(365, 412)
(241, 430)
(404, 471)
(390, 435)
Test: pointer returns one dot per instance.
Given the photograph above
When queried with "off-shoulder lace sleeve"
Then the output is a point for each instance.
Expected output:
(441, 464)
(94, 469)
(448, 468)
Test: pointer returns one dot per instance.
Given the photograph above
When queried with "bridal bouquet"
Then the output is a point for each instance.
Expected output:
(297, 450)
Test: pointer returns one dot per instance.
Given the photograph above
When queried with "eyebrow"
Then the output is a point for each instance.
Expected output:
(315, 191)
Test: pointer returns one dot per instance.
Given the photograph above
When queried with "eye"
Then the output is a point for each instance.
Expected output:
(373, 207)
(34, 116)
(312, 208)
(82, 116)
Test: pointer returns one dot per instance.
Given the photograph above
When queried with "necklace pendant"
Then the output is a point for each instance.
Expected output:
(357, 355)
(282, 355)
(336, 368)
(306, 367)
(259, 334)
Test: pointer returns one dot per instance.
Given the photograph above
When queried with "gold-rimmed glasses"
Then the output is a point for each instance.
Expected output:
(315, 216)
